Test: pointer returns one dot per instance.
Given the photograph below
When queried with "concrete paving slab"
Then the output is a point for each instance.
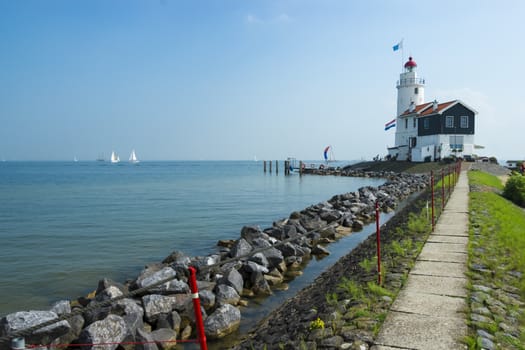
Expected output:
(437, 247)
(451, 230)
(451, 286)
(438, 238)
(441, 269)
(453, 257)
(429, 304)
(381, 347)
(422, 332)
(453, 219)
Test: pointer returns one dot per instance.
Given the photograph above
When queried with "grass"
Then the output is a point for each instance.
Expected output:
(480, 178)
(497, 241)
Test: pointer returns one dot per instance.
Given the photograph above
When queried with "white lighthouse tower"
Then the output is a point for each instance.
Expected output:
(410, 93)
(410, 88)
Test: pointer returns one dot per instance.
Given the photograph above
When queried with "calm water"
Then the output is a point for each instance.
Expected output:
(65, 225)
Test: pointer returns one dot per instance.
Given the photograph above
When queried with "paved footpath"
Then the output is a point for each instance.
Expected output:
(428, 313)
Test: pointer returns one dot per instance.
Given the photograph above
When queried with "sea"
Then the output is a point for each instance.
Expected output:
(66, 225)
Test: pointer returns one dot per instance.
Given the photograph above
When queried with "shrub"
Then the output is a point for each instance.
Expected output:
(515, 190)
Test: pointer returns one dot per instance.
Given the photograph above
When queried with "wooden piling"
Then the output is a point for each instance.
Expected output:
(270, 166)
(276, 167)
(264, 166)
(300, 167)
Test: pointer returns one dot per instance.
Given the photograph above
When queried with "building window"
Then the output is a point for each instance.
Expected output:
(416, 90)
(426, 123)
(456, 143)
(463, 122)
(449, 121)
(414, 123)
(406, 123)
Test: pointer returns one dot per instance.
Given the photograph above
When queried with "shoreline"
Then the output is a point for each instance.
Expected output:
(154, 272)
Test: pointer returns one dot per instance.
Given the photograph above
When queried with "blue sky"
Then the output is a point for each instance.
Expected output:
(237, 79)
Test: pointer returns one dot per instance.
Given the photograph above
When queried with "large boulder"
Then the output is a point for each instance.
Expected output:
(155, 304)
(150, 277)
(25, 319)
(131, 312)
(111, 331)
(260, 285)
(274, 256)
(232, 278)
(166, 338)
(240, 248)
(226, 295)
(225, 320)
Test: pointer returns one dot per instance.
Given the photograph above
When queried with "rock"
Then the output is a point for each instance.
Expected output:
(274, 257)
(259, 259)
(287, 249)
(251, 267)
(177, 257)
(226, 295)
(240, 248)
(61, 307)
(131, 312)
(155, 304)
(207, 298)
(112, 329)
(145, 341)
(105, 283)
(149, 277)
(24, 319)
(77, 323)
(249, 233)
(487, 344)
(320, 251)
(225, 320)
(165, 338)
(108, 293)
(233, 279)
(332, 342)
(260, 285)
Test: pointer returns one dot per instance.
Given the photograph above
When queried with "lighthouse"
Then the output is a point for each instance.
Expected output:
(410, 88)
(428, 131)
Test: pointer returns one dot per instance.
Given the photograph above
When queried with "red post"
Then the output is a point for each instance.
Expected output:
(378, 238)
(442, 189)
(432, 191)
(197, 308)
(449, 179)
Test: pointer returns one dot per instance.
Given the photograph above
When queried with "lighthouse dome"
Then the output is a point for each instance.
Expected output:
(410, 63)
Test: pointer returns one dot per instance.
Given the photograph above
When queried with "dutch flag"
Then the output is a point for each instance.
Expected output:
(390, 124)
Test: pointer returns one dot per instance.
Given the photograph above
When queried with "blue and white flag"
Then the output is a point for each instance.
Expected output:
(390, 124)
(398, 46)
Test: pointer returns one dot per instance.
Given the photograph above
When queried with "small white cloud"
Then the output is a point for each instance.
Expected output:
(283, 17)
(252, 19)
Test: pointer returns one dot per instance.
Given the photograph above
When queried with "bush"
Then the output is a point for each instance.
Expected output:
(515, 190)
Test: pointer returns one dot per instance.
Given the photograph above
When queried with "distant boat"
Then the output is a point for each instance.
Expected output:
(100, 158)
(114, 157)
(75, 159)
(133, 157)
(329, 154)
(254, 158)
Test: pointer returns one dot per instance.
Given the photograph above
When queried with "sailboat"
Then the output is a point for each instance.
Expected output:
(329, 154)
(75, 159)
(133, 157)
(114, 157)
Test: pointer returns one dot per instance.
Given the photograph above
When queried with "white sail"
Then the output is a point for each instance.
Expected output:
(114, 157)
(133, 157)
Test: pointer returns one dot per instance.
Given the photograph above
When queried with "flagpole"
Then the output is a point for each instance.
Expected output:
(402, 54)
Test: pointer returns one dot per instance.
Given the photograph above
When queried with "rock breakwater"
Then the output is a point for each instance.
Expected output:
(156, 307)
